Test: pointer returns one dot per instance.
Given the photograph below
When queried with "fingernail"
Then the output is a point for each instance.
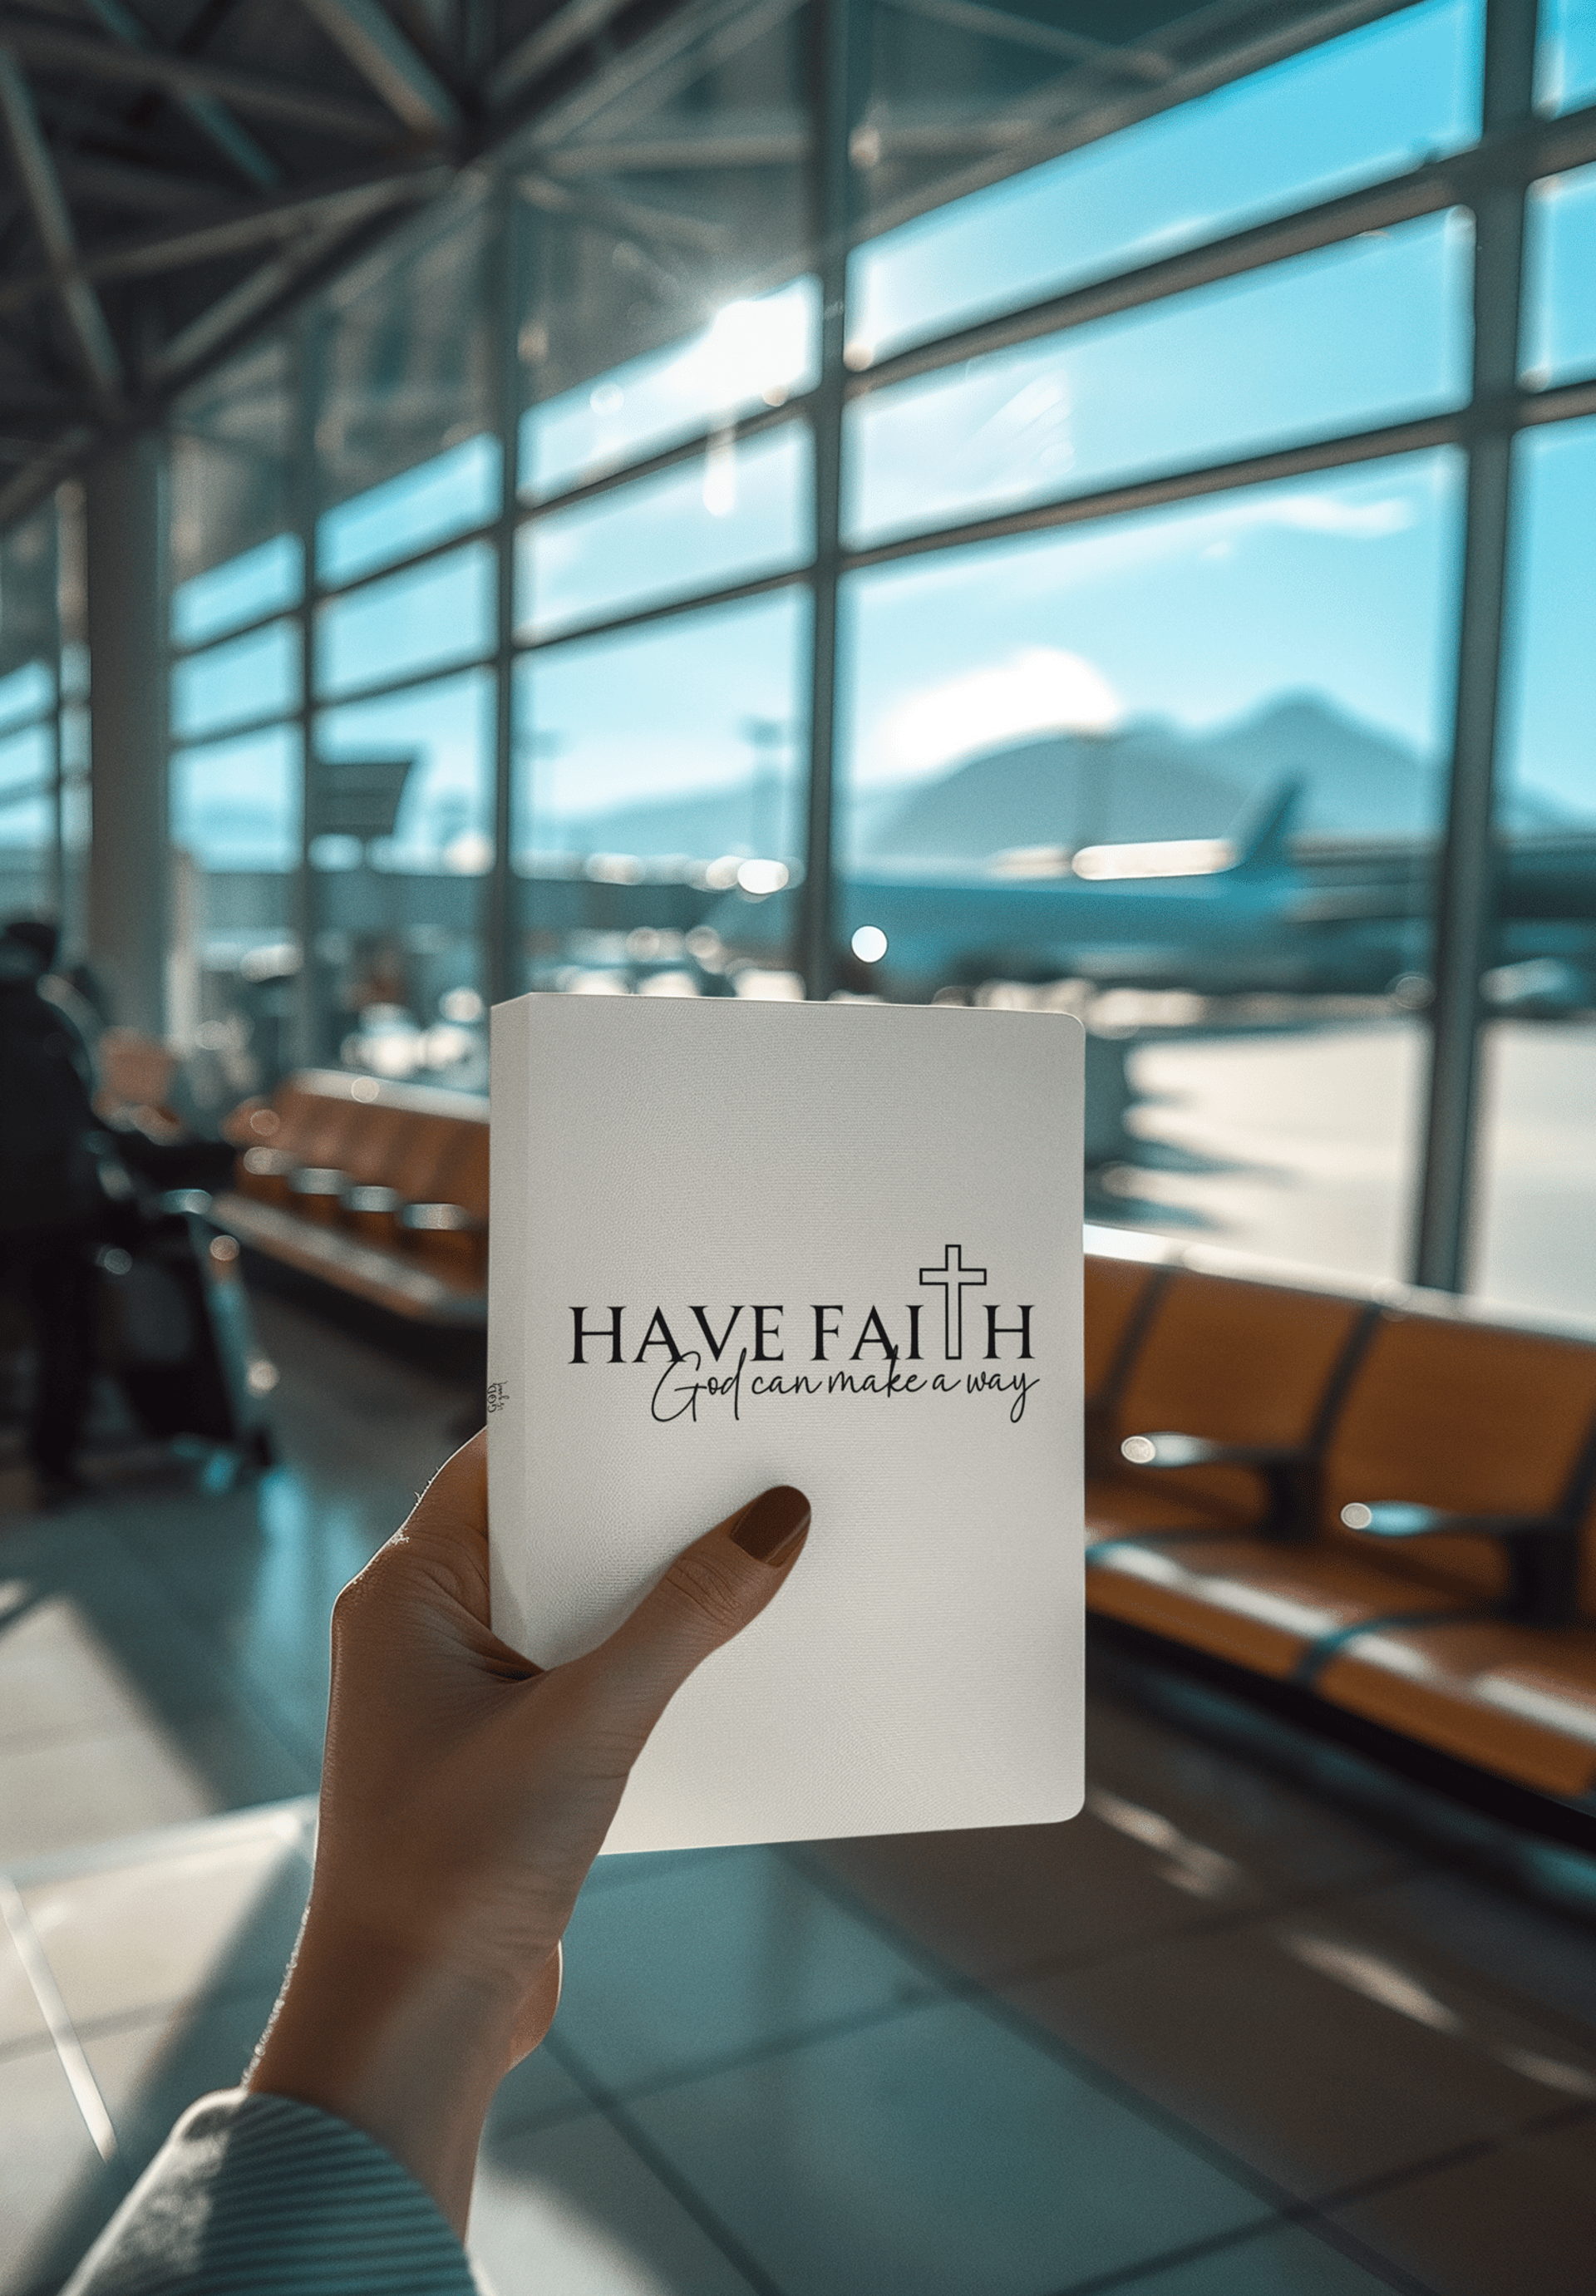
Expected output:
(771, 1527)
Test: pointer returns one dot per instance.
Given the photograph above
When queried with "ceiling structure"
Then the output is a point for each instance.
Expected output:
(177, 174)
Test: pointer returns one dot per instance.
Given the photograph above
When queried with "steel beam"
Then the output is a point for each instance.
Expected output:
(1466, 886)
(302, 107)
(1135, 62)
(36, 172)
(149, 255)
(558, 37)
(501, 922)
(840, 81)
(129, 858)
(211, 116)
(637, 219)
(388, 63)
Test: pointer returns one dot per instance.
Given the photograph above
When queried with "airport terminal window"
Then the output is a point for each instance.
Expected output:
(400, 840)
(238, 682)
(1367, 105)
(1559, 334)
(235, 811)
(646, 213)
(438, 612)
(738, 511)
(31, 858)
(259, 581)
(658, 778)
(399, 364)
(757, 353)
(1342, 340)
(1536, 1244)
(1123, 710)
(235, 556)
(25, 694)
(1567, 58)
(447, 496)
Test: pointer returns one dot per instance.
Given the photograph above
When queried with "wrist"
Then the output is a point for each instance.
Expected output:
(397, 2042)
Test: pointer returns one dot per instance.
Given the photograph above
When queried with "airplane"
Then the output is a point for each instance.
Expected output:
(1196, 913)
(1273, 913)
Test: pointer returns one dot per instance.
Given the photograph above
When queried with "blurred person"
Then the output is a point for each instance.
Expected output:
(50, 1200)
(465, 1793)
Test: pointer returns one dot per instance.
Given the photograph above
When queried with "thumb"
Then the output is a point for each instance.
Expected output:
(712, 1590)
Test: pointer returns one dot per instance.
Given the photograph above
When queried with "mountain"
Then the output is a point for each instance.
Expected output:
(713, 821)
(1151, 780)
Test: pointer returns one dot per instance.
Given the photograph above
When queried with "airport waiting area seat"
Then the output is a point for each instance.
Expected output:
(380, 1190)
(1389, 1504)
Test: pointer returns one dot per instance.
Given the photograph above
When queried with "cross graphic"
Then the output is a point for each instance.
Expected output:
(951, 1278)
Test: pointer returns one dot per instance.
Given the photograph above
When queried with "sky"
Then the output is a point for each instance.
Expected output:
(1342, 584)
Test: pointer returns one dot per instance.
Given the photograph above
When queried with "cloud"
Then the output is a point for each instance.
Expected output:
(1038, 690)
(1328, 514)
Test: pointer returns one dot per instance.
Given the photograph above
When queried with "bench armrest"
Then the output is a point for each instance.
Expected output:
(1170, 1449)
(1289, 1472)
(1397, 1519)
(1543, 1551)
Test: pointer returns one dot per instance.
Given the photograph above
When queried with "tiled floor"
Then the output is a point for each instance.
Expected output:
(1265, 2022)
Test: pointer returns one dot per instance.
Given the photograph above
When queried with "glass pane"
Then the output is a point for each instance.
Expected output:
(1365, 106)
(1338, 340)
(254, 677)
(235, 813)
(26, 692)
(1214, 847)
(752, 354)
(239, 590)
(29, 636)
(403, 362)
(232, 441)
(642, 760)
(441, 611)
(401, 822)
(1560, 331)
(658, 225)
(740, 511)
(235, 805)
(27, 854)
(1536, 1241)
(440, 738)
(1567, 62)
(27, 761)
(445, 496)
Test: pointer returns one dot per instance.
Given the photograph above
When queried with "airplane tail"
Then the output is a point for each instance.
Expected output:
(1265, 845)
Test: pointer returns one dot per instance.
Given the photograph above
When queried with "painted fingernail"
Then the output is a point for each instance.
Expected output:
(773, 1527)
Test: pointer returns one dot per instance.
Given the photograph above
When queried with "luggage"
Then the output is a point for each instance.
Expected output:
(177, 1331)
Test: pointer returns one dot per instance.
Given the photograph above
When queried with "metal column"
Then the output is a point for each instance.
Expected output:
(501, 922)
(309, 1024)
(840, 31)
(128, 871)
(1467, 884)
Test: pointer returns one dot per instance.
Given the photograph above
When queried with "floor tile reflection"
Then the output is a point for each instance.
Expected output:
(1318, 2050)
(572, 2210)
(1496, 2223)
(933, 2154)
(734, 1952)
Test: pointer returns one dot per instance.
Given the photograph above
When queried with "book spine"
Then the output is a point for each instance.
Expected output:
(509, 1192)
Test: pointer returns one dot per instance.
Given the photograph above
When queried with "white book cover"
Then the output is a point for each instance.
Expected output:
(735, 1244)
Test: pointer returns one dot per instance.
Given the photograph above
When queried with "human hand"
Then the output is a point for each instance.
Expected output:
(464, 1795)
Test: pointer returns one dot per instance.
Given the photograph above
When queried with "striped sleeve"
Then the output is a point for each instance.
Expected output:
(252, 2193)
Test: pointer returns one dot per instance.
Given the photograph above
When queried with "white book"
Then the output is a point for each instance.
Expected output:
(736, 1244)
